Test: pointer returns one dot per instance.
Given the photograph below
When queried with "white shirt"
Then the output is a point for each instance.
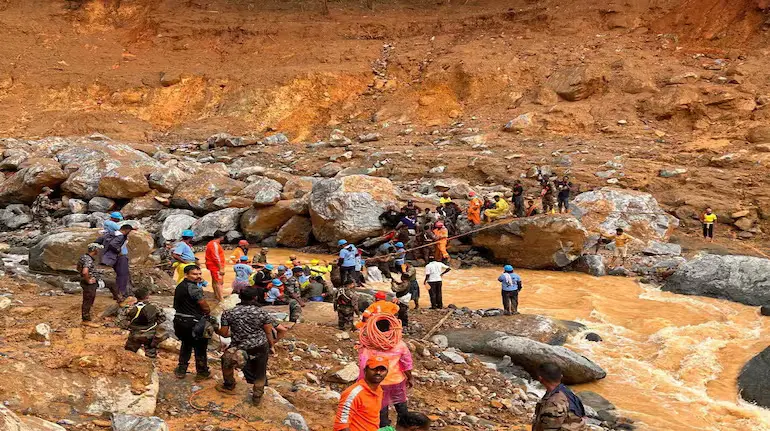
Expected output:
(434, 270)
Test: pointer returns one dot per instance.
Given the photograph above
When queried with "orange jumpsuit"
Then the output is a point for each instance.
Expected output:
(474, 211)
(441, 236)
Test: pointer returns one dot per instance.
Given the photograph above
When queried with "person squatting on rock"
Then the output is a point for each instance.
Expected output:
(91, 280)
(184, 255)
(261, 257)
(399, 378)
(215, 263)
(191, 310)
(41, 208)
(511, 286)
(251, 330)
(347, 260)
(143, 321)
(115, 244)
(346, 305)
(559, 409)
(360, 404)
(500, 209)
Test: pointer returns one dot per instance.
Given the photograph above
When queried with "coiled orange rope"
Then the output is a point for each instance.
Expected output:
(372, 338)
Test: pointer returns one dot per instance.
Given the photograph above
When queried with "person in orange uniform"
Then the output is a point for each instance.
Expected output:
(360, 404)
(215, 262)
(380, 306)
(241, 250)
(474, 208)
(441, 237)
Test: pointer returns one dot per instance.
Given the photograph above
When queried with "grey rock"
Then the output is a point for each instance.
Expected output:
(277, 139)
(41, 332)
(123, 422)
(295, 421)
(15, 216)
(765, 310)
(97, 219)
(264, 191)
(266, 197)
(605, 174)
(594, 337)
(77, 206)
(452, 357)
(595, 401)
(743, 279)
(224, 140)
(162, 215)
(167, 179)
(232, 236)
(369, 137)
(437, 170)
(657, 248)
(619, 271)
(590, 264)
(668, 173)
(215, 223)
(174, 225)
(345, 374)
(101, 204)
(440, 340)
(330, 169)
(71, 219)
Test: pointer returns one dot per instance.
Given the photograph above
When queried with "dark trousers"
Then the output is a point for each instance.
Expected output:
(183, 328)
(347, 273)
(518, 204)
(563, 203)
(708, 230)
(89, 296)
(345, 316)
(358, 276)
(436, 298)
(401, 409)
(511, 301)
(122, 275)
(254, 370)
(384, 268)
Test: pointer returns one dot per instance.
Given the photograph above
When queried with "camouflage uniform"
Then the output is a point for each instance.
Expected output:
(166, 261)
(291, 291)
(346, 306)
(40, 213)
(553, 414)
(143, 321)
(548, 199)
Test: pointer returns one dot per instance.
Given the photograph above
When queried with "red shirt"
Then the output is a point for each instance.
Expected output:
(359, 408)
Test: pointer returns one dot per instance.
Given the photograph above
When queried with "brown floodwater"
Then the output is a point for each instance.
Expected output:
(671, 360)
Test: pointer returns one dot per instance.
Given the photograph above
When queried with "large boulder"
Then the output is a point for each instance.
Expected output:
(14, 216)
(539, 242)
(200, 192)
(217, 223)
(577, 83)
(296, 232)
(142, 206)
(637, 213)
(24, 185)
(124, 182)
(59, 252)
(259, 223)
(167, 179)
(173, 226)
(264, 191)
(743, 279)
(754, 380)
(10, 422)
(349, 207)
(101, 204)
(121, 422)
(533, 326)
(299, 186)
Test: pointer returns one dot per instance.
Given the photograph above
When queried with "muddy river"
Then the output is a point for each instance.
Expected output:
(671, 360)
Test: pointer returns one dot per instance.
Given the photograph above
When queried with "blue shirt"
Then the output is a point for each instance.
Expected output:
(242, 272)
(273, 294)
(185, 251)
(510, 281)
(111, 226)
(401, 256)
(348, 255)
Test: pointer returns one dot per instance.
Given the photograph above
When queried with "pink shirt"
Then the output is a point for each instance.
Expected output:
(399, 360)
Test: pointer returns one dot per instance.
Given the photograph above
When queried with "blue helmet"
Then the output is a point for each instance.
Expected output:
(277, 282)
(399, 244)
(116, 215)
(188, 233)
(508, 268)
(342, 242)
(269, 267)
(244, 258)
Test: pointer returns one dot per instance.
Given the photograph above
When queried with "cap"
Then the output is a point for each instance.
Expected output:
(244, 258)
(188, 233)
(116, 215)
(508, 268)
(342, 242)
(376, 362)
(282, 268)
(277, 282)
(399, 244)
(243, 242)
(472, 194)
(269, 267)
(94, 246)
(380, 295)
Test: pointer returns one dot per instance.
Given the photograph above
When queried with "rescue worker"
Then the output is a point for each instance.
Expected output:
(564, 188)
(499, 211)
(401, 290)
(90, 280)
(381, 305)
(261, 257)
(559, 409)
(346, 305)
(390, 218)
(318, 269)
(292, 293)
(410, 273)
(360, 404)
(116, 256)
(511, 285)
(547, 196)
(708, 219)
(215, 263)
(191, 308)
(243, 272)
(359, 268)
(261, 280)
(532, 209)
(253, 333)
(400, 258)
(317, 289)
(143, 321)
(444, 199)
(183, 254)
(410, 210)
(440, 235)
(347, 260)
(474, 208)
(41, 208)
(241, 250)
(518, 198)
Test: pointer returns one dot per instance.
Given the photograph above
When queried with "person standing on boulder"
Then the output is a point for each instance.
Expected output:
(564, 188)
(546, 196)
(559, 409)
(183, 254)
(90, 280)
(40, 209)
(390, 218)
(215, 263)
(241, 250)
(251, 331)
(474, 208)
(621, 246)
(347, 260)
(708, 219)
(511, 285)
(191, 308)
(518, 198)
(434, 273)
